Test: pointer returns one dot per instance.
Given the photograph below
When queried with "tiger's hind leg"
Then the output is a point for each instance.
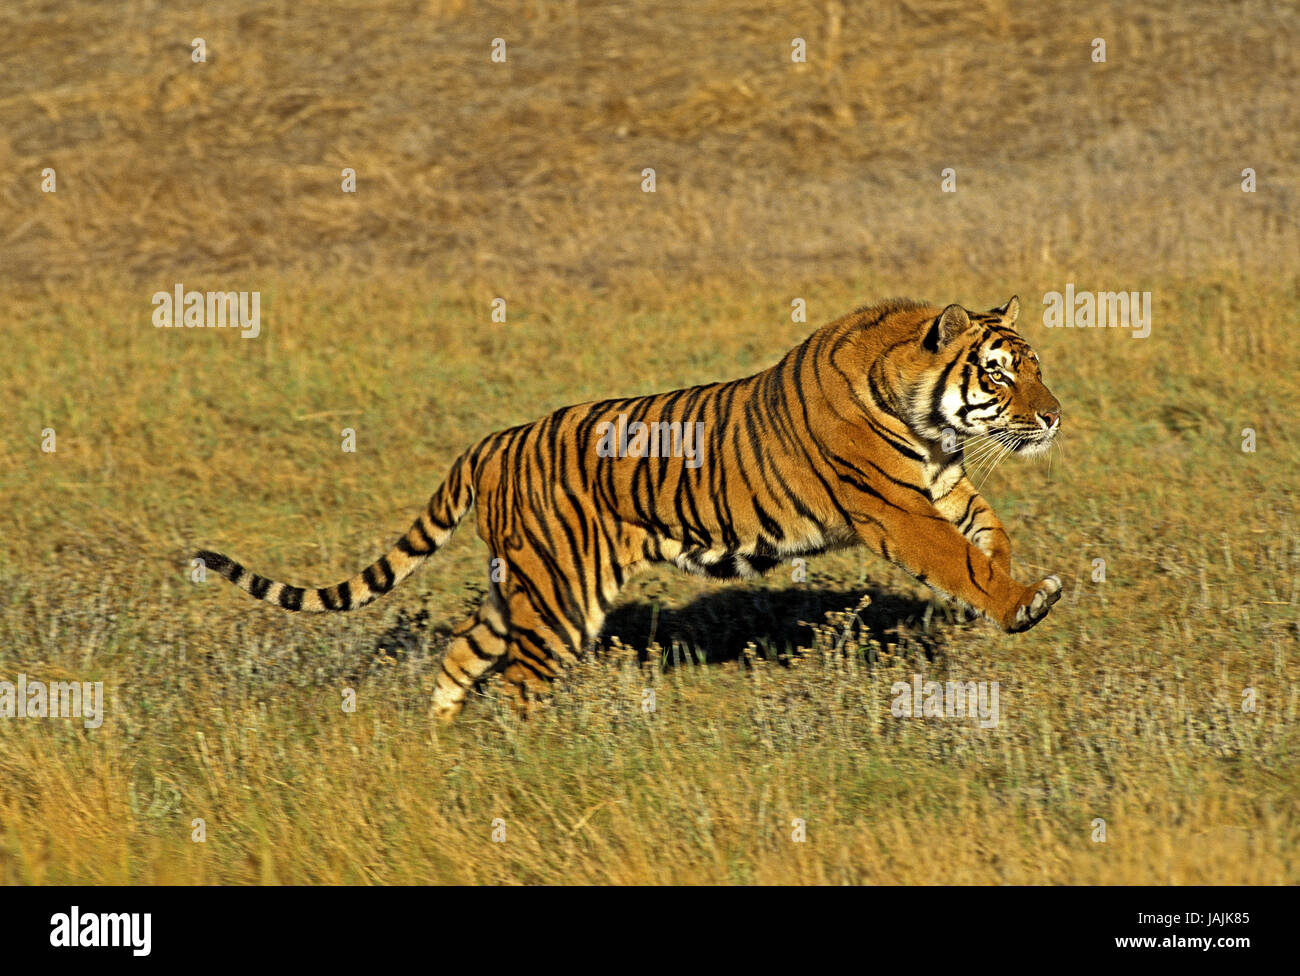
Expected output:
(557, 615)
(541, 641)
(478, 647)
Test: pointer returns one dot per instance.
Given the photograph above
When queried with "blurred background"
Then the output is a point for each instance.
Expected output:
(531, 169)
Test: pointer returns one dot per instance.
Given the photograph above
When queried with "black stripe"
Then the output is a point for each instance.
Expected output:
(937, 418)
(970, 571)
(539, 653)
(931, 340)
(258, 586)
(424, 536)
(215, 561)
(455, 680)
(291, 597)
(477, 648)
(531, 664)
(372, 578)
(967, 516)
(724, 568)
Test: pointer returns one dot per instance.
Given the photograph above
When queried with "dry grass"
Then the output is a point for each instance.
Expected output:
(511, 173)
(522, 180)
(1125, 705)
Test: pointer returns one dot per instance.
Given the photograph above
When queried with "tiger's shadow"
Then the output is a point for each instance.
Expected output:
(717, 626)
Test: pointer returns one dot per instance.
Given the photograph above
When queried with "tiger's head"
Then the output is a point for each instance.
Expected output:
(981, 378)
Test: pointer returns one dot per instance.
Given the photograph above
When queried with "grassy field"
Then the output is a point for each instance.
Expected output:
(1125, 705)
(1163, 700)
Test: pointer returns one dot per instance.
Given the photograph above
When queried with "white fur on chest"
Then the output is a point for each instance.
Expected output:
(942, 475)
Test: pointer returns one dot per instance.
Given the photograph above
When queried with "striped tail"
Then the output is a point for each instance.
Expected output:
(427, 535)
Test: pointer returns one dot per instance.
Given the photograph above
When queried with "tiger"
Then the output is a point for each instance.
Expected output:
(859, 435)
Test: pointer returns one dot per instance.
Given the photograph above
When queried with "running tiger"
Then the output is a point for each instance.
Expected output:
(858, 436)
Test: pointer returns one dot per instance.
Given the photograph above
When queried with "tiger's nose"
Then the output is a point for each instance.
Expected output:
(1049, 418)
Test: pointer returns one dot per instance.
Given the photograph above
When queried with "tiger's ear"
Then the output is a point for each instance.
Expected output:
(1010, 311)
(952, 323)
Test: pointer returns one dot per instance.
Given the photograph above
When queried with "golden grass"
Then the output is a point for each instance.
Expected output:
(1125, 704)
(512, 173)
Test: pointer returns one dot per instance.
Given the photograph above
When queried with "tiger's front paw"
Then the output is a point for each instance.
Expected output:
(1035, 603)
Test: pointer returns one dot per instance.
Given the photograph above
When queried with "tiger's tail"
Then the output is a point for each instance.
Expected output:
(427, 535)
